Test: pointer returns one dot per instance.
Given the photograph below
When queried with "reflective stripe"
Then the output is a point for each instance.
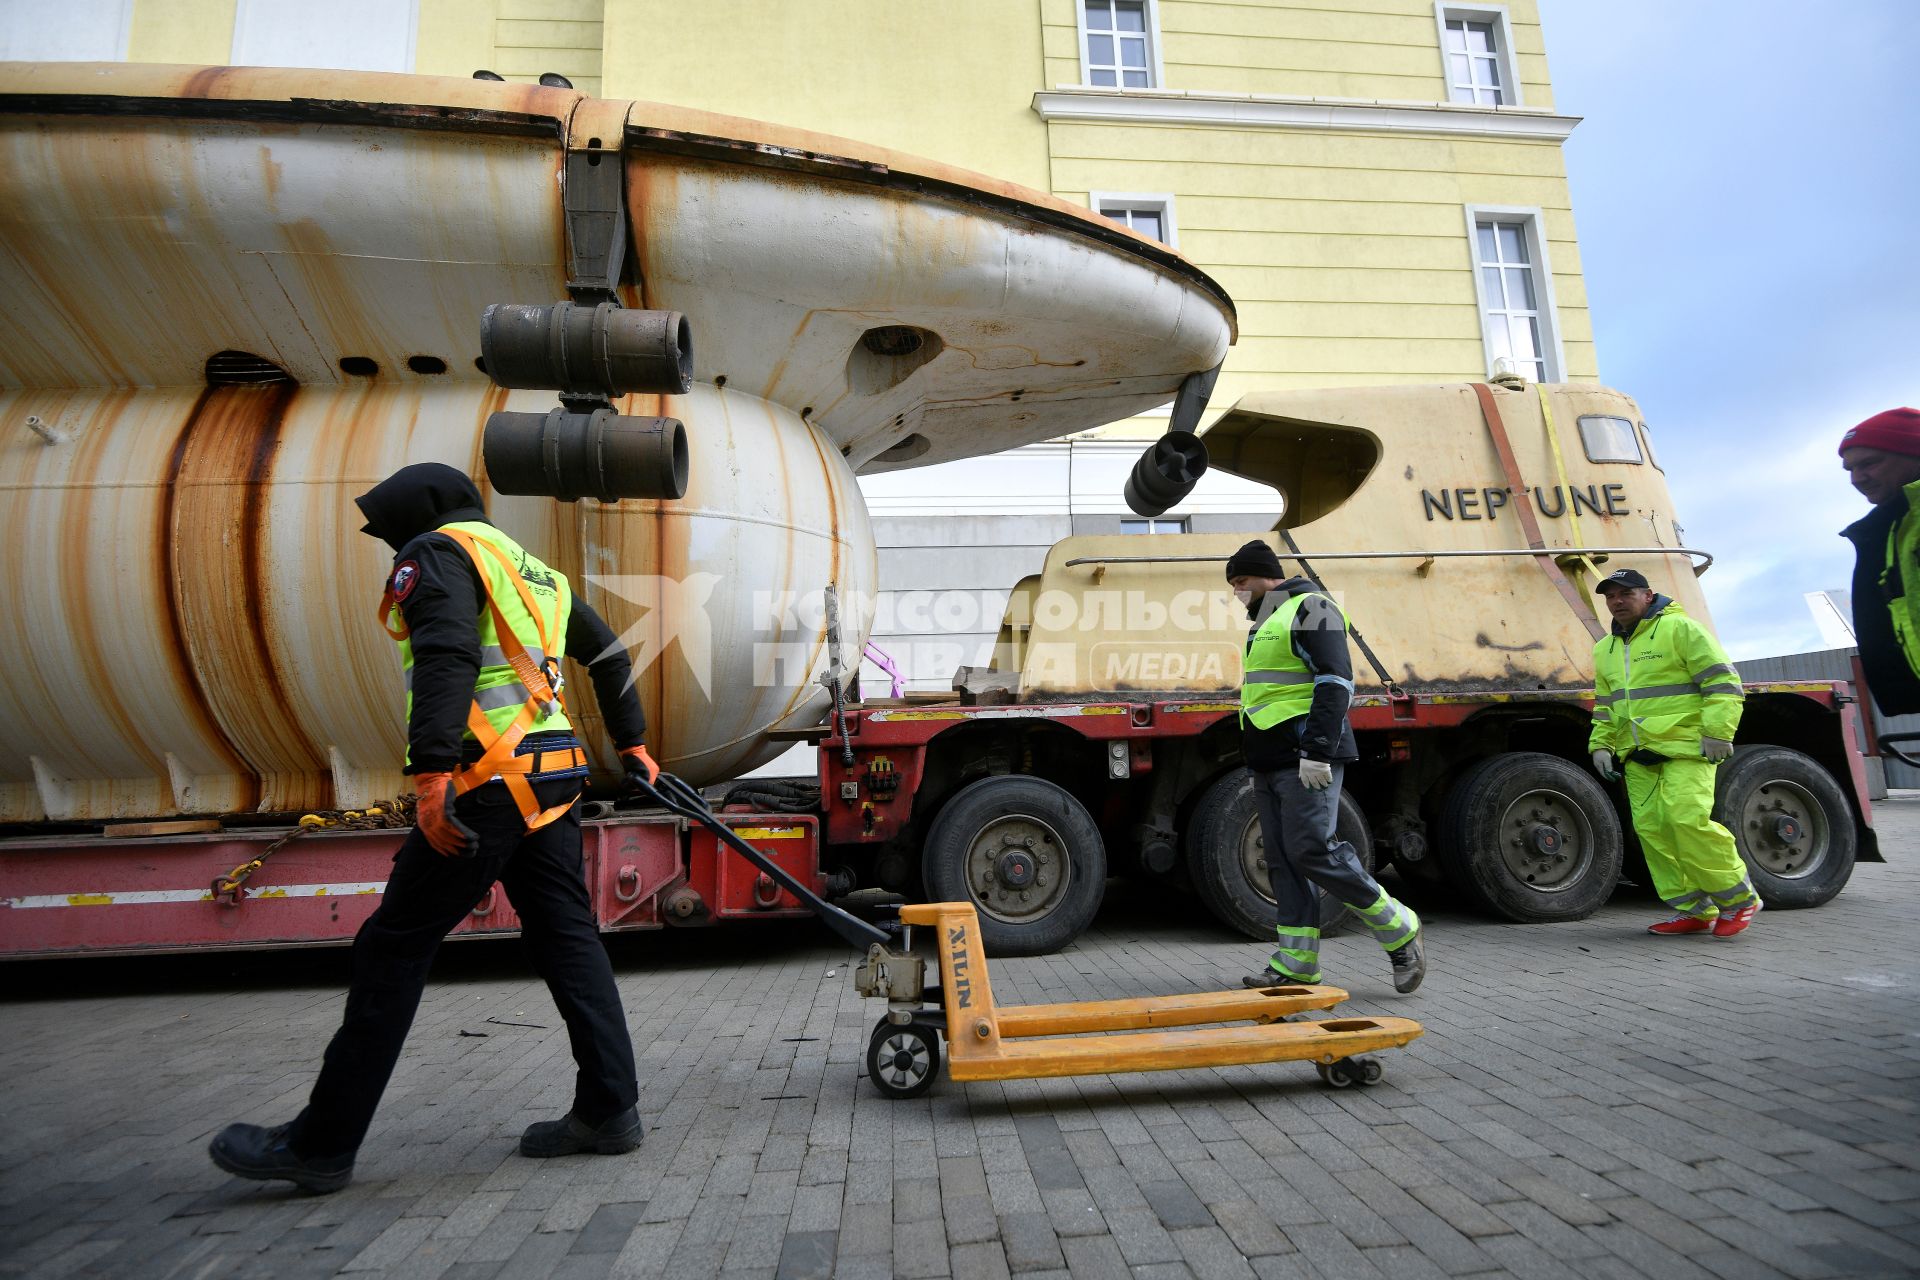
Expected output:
(1601, 713)
(500, 696)
(1688, 904)
(1605, 698)
(1717, 669)
(1391, 922)
(1663, 691)
(1342, 681)
(492, 655)
(1299, 941)
(1295, 966)
(1278, 677)
(1723, 691)
(1738, 896)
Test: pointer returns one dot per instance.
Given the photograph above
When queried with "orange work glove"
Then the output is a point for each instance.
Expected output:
(433, 814)
(640, 764)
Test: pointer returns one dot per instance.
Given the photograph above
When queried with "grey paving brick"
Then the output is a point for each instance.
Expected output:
(807, 1255)
(1030, 1242)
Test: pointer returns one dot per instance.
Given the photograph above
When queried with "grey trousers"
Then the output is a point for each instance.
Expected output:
(1303, 852)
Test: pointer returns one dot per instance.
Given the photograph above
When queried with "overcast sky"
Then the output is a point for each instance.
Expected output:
(1746, 187)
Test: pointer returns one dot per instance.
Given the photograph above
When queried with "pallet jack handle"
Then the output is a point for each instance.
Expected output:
(678, 797)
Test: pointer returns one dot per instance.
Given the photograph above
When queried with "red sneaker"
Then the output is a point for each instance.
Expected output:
(1683, 924)
(1732, 922)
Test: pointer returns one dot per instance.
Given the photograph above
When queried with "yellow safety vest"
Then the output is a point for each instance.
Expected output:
(1277, 685)
(523, 636)
(1663, 688)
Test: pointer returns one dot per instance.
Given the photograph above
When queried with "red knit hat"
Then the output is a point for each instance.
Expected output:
(1896, 431)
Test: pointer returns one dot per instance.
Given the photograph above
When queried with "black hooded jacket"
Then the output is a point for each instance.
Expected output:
(1320, 638)
(442, 608)
(1895, 687)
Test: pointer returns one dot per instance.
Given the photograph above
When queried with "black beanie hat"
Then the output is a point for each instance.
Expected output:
(1255, 560)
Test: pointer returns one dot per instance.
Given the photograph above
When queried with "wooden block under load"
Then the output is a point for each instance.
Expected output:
(178, 827)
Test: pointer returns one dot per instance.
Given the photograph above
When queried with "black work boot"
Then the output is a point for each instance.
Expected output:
(250, 1151)
(1409, 963)
(1266, 978)
(571, 1136)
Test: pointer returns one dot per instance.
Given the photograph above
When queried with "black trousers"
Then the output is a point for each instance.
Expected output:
(425, 898)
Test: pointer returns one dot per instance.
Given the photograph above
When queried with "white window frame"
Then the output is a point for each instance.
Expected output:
(1157, 524)
(1503, 47)
(1156, 72)
(1529, 219)
(1160, 202)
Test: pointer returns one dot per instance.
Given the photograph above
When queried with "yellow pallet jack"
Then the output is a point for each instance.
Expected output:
(1027, 1042)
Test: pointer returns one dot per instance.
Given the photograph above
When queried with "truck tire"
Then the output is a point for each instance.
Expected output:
(1227, 855)
(1530, 837)
(1026, 854)
(1792, 822)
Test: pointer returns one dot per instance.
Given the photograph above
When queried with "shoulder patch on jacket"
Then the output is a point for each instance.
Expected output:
(406, 576)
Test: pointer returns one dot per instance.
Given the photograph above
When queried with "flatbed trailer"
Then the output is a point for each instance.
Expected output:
(1023, 810)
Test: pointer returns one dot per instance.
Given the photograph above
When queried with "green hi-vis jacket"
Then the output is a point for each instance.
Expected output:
(1897, 587)
(1664, 687)
(497, 691)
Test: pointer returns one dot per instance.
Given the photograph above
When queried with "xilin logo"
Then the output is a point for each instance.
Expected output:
(957, 963)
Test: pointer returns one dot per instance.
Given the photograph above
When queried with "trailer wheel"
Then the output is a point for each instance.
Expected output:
(1792, 822)
(1228, 854)
(1026, 854)
(1530, 837)
(903, 1061)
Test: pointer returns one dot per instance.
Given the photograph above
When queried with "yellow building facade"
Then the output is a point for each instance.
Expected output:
(1333, 163)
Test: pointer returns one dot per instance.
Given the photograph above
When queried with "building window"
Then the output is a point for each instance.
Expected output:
(74, 31)
(1153, 526)
(1117, 45)
(1608, 439)
(1476, 50)
(343, 35)
(1515, 292)
(1150, 212)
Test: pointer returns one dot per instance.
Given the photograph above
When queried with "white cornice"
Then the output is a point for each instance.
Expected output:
(1348, 115)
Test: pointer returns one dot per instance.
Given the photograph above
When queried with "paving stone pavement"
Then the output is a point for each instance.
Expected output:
(1587, 1101)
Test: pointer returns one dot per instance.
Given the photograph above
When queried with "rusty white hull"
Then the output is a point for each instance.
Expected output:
(192, 626)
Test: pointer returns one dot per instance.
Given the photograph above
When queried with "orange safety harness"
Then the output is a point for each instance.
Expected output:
(497, 759)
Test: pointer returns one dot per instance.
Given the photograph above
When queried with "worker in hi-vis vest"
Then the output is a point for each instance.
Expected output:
(481, 625)
(1296, 740)
(1667, 701)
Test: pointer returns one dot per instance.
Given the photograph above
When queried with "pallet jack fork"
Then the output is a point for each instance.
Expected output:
(1026, 1042)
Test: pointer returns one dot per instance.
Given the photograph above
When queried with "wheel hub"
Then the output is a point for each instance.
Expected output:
(1018, 869)
(1783, 829)
(1546, 841)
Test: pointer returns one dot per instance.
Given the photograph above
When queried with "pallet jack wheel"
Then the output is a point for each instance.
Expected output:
(903, 1060)
(1350, 1071)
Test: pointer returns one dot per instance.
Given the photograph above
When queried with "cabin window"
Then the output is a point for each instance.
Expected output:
(1150, 214)
(1513, 292)
(1609, 439)
(1118, 43)
(1646, 437)
(1476, 49)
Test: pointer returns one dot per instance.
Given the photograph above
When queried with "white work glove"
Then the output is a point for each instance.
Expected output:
(1604, 765)
(1315, 775)
(1715, 749)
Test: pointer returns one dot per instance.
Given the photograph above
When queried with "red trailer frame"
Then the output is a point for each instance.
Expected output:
(95, 895)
